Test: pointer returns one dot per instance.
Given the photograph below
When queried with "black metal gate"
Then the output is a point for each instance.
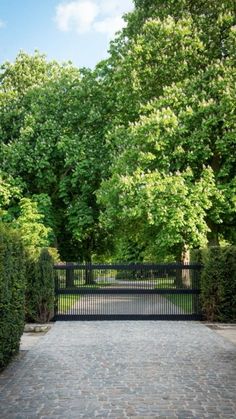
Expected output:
(127, 292)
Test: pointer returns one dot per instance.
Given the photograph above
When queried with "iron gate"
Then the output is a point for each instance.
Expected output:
(127, 291)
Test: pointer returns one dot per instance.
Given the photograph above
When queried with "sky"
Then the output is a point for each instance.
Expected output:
(65, 30)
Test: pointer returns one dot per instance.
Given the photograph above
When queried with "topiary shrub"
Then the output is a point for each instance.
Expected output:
(40, 292)
(227, 311)
(12, 293)
(218, 284)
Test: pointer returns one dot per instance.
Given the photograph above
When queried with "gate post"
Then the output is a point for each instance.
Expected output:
(56, 288)
(69, 275)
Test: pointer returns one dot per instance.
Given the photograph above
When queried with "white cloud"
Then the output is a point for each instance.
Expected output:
(104, 16)
(76, 15)
(109, 25)
(116, 6)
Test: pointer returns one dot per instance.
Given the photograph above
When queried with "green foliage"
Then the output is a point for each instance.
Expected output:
(127, 250)
(172, 181)
(40, 287)
(228, 310)
(164, 52)
(211, 18)
(218, 285)
(53, 252)
(30, 224)
(150, 132)
(53, 141)
(10, 193)
(12, 290)
(196, 256)
(159, 211)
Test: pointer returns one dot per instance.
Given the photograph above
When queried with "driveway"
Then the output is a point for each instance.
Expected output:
(123, 370)
(129, 304)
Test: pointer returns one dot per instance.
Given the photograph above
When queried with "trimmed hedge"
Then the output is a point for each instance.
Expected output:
(12, 293)
(218, 284)
(40, 289)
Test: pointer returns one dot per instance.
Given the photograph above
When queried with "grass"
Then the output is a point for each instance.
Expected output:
(67, 301)
(164, 283)
(183, 301)
(97, 285)
(82, 284)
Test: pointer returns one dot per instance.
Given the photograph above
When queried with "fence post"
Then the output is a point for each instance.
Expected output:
(56, 286)
(69, 275)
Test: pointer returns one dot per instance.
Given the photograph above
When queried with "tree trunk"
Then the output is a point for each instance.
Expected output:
(89, 275)
(185, 259)
(182, 275)
(89, 280)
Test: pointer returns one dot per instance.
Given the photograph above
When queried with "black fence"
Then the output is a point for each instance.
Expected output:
(127, 291)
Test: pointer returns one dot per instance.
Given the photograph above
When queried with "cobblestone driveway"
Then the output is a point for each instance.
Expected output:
(123, 370)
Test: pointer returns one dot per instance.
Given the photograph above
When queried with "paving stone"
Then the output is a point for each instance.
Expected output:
(123, 370)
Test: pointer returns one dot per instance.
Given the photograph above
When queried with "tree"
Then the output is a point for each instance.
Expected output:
(184, 139)
(212, 19)
(53, 143)
(163, 42)
(181, 146)
(30, 223)
(10, 193)
(86, 163)
(154, 124)
(33, 94)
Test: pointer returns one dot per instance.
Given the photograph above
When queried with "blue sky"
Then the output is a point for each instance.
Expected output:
(76, 30)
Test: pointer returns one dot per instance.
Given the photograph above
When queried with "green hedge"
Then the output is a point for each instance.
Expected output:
(218, 284)
(40, 289)
(12, 289)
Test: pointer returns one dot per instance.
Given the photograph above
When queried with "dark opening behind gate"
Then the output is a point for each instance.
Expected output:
(131, 292)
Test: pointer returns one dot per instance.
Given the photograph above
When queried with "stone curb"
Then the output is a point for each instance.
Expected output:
(37, 328)
(221, 326)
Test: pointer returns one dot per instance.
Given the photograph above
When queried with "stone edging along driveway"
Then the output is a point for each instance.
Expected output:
(33, 332)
